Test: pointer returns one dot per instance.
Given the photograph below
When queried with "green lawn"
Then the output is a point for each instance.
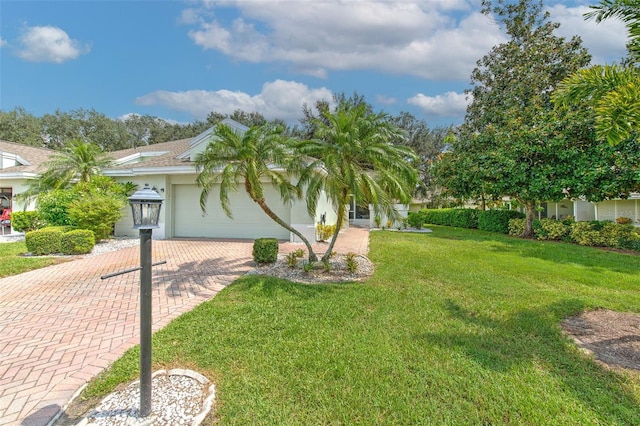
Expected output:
(456, 327)
(12, 261)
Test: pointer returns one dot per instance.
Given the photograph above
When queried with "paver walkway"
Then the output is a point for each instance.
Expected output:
(60, 326)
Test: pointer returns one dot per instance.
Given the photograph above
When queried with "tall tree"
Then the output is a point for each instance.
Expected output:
(352, 154)
(20, 126)
(259, 153)
(428, 145)
(614, 90)
(513, 143)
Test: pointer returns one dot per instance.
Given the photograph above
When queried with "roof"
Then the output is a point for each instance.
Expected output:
(28, 158)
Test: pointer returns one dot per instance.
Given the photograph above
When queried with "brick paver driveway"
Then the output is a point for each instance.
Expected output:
(62, 325)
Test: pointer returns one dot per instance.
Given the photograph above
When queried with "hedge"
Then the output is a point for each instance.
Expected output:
(78, 241)
(265, 250)
(462, 218)
(497, 220)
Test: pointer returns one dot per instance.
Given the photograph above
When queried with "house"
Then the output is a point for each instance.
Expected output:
(169, 168)
(18, 165)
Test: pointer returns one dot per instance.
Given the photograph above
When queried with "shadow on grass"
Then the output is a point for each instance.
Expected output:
(534, 337)
(551, 251)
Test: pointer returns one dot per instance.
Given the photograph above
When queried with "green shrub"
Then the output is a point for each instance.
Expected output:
(617, 236)
(550, 229)
(45, 241)
(26, 221)
(324, 232)
(97, 213)
(265, 250)
(78, 241)
(416, 219)
(352, 265)
(291, 260)
(497, 220)
(53, 206)
(586, 233)
(516, 226)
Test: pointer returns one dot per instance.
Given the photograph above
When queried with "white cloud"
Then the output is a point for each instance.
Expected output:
(49, 44)
(606, 41)
(278, 99)
(437, 39)
(3, 42)
(385, 100)
(451, 104)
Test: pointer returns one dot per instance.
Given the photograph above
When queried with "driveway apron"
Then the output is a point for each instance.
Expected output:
(62, 325)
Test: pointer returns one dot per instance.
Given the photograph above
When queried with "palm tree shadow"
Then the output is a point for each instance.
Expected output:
(195, 277)
(534, 337)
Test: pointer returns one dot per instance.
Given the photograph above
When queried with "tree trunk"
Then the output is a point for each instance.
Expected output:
(265, 208)
(334, 237)
(530, 211)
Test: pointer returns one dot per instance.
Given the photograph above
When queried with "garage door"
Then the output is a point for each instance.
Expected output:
(249, 221)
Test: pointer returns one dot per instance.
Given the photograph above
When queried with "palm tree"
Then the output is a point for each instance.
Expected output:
(614, 90)
(79, 161)
(352, 155)
(259, 153)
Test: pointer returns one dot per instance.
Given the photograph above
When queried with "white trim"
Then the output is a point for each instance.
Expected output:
(139, 155)
(136, 171)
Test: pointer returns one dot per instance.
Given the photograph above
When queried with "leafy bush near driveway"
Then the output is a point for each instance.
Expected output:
(26, 221)
(98, 213)
(78, 241)
(45, 241)
(265, 250)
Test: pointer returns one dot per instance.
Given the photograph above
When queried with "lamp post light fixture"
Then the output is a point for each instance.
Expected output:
(145, 208)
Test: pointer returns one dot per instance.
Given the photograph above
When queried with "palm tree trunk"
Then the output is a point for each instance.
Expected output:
(265, 208)
(339, 222)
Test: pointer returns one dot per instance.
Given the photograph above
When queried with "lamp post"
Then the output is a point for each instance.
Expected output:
(145, 207)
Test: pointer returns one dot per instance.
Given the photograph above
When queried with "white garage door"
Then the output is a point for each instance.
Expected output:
(249, 221)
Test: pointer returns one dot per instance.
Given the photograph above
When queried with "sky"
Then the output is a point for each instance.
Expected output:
(180, 60)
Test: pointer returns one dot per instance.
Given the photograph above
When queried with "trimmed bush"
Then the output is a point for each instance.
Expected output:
(265, 250)
(586, 233)
(516, 226)
(497, 220)
(550, 229)
(45, 241)
(461, 218)
(26, 221)
(78, 241)
(53, 206)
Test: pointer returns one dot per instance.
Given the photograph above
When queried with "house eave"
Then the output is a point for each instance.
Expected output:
(146, 171)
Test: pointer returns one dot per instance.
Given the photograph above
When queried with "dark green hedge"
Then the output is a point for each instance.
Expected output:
(461, 218)
(497, 220)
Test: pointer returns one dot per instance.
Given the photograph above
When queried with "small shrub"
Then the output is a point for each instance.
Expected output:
(569, 220)
(550, 229)
(307, 267)
(291, 259)
(617, 236)
(298, 252)
(516, 227)
(324, 232)
(44, 241)
(623, 220)
(497, 220)
(586, 233)
(26, 221)
(265, 250)
(416, 219)
(327, 266)
(78, 241)
(352, 265)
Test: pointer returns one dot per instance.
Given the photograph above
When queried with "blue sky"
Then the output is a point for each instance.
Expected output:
(179, 60)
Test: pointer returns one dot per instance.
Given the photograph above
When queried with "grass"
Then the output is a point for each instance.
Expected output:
(12, 261)
(455, 327)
